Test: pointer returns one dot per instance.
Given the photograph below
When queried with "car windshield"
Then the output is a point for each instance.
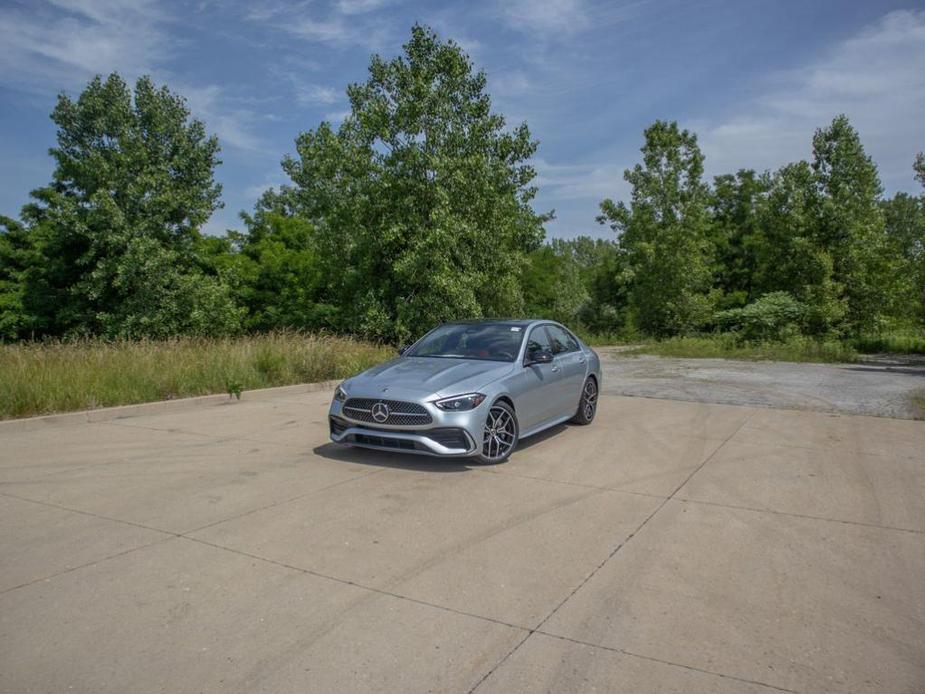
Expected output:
(489, 341)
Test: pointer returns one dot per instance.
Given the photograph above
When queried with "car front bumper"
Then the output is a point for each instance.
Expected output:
(450, 434)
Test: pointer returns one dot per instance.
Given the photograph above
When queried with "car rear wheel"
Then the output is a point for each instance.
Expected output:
(499, 438)
(587, 405)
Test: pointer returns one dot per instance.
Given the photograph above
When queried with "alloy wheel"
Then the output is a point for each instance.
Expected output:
(589, 399)
(500, 433)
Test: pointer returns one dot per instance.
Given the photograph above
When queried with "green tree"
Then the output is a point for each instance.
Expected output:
(664, 233)
(575, 281)
(553, 284)
(17, 256)
(851, 225)
(420, 200)
(904, 215)
(112, 239)
(919, 167)
(277, 270)
(736, 202)
(789, 256)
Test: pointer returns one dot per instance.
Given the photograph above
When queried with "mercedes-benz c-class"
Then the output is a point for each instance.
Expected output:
(472, 388)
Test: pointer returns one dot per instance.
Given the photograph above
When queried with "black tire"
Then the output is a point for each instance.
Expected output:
(587, 403)
(500, 436)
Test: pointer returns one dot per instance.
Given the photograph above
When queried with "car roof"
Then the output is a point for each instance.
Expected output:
(521, 322)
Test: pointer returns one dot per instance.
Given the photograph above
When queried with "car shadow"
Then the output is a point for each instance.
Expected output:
(537, 439)
(426, 463)
(407, 461)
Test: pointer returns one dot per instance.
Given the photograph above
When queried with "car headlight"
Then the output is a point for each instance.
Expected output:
(460, 403)
(340, 394)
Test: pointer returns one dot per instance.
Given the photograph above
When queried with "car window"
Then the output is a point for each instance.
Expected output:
(561, 340)
(538, 341)
(487, 341)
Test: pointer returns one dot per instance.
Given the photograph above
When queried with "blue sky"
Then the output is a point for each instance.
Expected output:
(753, 79)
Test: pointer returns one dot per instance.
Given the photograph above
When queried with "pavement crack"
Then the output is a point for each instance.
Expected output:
(85, 565)
(281, 502)
(632, 654)
(90, 513)
(571, 484)
(355, 584)
(612, 554)
(792, 514)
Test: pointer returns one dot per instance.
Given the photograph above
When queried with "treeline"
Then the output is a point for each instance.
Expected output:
(813, 248)
(418, 209)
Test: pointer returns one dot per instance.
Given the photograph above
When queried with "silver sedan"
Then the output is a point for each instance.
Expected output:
(471, 388)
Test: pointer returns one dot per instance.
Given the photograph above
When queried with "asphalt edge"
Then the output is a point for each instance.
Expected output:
(106, 414)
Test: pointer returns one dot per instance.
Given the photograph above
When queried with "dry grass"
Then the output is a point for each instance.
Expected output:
(45, 377)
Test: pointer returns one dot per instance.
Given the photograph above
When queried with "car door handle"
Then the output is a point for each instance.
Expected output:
(555, 368)
(581, 360)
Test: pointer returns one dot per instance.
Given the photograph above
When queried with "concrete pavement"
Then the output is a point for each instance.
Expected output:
(670, 547)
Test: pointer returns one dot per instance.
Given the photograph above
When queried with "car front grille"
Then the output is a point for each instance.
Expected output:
(385, 442)
(400, 413)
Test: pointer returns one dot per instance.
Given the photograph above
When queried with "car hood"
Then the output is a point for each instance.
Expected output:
(424, 376)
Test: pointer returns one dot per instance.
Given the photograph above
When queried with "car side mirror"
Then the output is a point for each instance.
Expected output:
(539, 357)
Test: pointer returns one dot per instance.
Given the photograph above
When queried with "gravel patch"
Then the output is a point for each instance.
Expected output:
(883, 386)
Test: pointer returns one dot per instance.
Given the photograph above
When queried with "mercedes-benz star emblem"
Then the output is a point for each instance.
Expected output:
(380, 412)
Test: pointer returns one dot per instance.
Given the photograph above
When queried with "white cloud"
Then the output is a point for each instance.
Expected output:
(581, 181)
(52, 45)
(336, 117)
(342, 27)
(549, 17)
(274, 179)
(360, 6)
(232, 124)
(316, 94)
(876, 77)
(507, 84)
(61, 44)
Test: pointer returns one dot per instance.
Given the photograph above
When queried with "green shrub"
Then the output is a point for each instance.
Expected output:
(892, 343)
(774, 317)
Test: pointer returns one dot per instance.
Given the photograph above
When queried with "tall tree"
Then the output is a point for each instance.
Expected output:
(113, 237)
(852, 225)
(420, 200)
(905, 226)
(789, 255)
(664, 232)
(276, 270)
(553, 284)
(919, 168)
(735, 207)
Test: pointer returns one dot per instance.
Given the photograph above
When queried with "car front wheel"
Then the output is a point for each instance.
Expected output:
(499, 438)
(587, 405)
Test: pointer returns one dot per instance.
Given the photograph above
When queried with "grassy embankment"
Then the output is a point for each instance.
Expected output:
(45, 377)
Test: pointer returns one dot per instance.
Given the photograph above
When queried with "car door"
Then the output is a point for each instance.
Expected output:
(537, 397)
(572, 365)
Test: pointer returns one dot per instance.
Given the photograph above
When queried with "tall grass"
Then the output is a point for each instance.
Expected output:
(896, 343)
(45, 377)
(726, 346)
